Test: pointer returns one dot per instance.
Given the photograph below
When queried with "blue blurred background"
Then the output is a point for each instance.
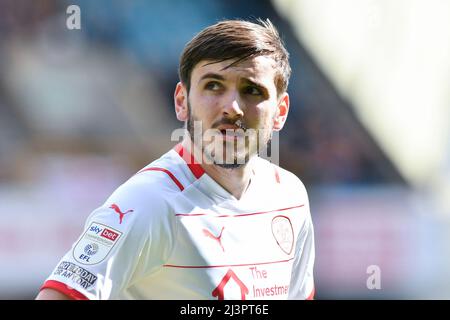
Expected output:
(368, 130)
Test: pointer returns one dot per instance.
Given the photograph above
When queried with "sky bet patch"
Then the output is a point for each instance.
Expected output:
(95, 244)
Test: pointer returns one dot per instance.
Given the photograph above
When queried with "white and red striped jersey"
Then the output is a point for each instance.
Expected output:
(172, 232)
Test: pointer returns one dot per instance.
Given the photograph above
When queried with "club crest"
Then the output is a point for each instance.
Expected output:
(283, 233)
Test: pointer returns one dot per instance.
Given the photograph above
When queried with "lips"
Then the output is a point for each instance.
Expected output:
(231, 132)
(223, 128)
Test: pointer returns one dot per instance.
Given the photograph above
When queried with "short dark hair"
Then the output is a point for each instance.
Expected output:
(237, 39)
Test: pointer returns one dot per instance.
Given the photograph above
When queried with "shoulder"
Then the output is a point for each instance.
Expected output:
(143, 200)
(288, 181)
(154, 185)
(293, 187)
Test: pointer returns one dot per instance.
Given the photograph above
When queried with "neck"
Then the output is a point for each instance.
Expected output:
(235, 181)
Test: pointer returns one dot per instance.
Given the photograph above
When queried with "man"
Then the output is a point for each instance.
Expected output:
(210, 219)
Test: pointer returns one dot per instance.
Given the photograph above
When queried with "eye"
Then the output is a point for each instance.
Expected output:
(213, 86)
(252, 90)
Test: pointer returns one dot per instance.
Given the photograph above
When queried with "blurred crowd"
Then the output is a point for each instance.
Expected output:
(83, 110)
(107, 88)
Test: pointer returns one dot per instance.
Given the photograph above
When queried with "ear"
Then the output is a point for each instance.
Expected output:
(281, 112)
(180, 99)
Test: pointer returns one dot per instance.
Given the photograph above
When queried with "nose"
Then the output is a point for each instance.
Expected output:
(233, 106)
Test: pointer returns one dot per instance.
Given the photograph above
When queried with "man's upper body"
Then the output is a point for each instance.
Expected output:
(210, 219)
(172, 232)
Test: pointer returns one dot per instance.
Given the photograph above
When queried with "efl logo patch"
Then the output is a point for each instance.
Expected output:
(95, 244)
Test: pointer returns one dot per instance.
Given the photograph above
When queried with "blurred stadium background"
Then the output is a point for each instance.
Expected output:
(368, 131)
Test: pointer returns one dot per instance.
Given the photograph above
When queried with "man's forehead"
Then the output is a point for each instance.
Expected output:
(261, 66)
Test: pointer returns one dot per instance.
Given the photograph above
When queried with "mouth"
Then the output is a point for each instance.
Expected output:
(231, 132)
(229, 128)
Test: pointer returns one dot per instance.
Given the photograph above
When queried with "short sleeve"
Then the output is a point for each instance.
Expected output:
(302, 278)
(128, 237)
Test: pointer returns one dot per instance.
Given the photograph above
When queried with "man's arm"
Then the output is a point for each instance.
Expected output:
(51, 294)
(302, 279)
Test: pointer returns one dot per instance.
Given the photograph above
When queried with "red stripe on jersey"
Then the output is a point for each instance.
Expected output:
(235, 215)
(168, 173)
(225, 265)
(194, 166)
(311, 295)
(277, 176)
(65, 289)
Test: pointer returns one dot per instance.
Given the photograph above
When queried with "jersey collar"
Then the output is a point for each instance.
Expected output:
(194, 166)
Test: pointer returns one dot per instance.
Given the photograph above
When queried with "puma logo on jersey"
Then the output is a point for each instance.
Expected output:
(121, 214)
(208, 234)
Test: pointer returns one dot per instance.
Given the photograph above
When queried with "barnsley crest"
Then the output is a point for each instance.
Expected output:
(283, 233)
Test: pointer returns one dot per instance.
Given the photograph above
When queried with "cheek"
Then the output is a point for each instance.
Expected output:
(262, 116)
(204, 109)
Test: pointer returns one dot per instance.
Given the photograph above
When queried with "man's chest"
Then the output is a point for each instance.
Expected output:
(233, 252)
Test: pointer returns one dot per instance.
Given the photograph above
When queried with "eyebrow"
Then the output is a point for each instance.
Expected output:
(253, 83)
(260, 86)
(211, 75)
